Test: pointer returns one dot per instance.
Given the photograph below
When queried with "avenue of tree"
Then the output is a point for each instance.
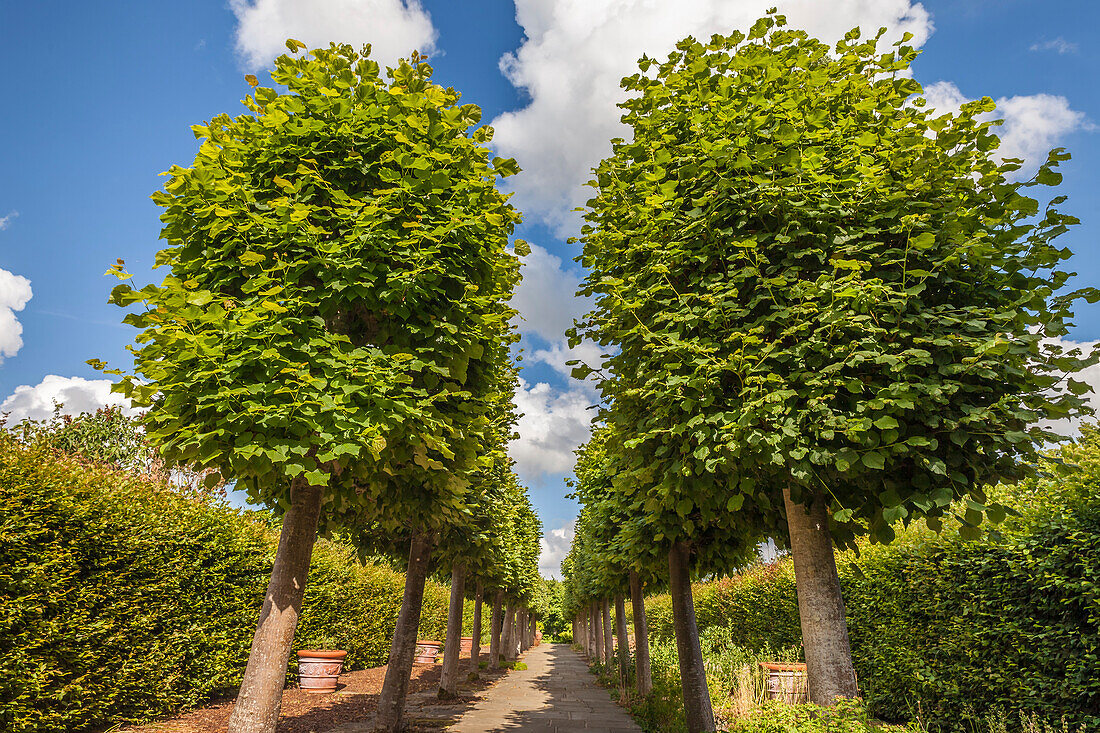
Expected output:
(827, 309)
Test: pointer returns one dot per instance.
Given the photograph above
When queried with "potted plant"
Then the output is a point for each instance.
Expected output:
(319, 669)
(427, 651)
(786, 681)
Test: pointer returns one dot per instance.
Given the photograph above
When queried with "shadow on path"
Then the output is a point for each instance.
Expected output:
(555, 694)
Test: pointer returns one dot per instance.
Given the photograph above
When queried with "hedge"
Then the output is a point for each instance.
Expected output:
(122, 600)
(956, 629)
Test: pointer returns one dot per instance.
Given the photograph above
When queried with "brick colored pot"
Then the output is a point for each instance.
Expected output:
(426, 651)
(319, 669)
(786, 682)
(466, 646)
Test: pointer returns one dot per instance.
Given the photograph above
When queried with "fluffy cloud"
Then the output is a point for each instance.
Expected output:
(554, 423)
(394, 28)
(555, 546)
(75, 394)
(5, 221)
(1033, 124)
(15, 291)
(1089, 375)
(545, 298)
(1058, 45)
(576, 52)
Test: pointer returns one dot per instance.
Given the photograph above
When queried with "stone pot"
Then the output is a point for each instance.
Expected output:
(786, 682)
(319, 669)
(426, 651)
(466, 646)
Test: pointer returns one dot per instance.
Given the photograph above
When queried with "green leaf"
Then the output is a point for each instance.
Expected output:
(873, 459)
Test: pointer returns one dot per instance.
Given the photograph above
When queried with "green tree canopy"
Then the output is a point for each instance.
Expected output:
(337, 295)
(813, 281)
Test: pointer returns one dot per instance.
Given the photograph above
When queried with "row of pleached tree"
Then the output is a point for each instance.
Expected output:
(335, 337)
(826, 309)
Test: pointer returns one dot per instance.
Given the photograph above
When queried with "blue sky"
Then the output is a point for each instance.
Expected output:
(99, 98)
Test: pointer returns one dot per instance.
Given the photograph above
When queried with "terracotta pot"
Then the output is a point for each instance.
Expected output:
(466, 646)
(786, 682)
(426, 651)
(319, 669)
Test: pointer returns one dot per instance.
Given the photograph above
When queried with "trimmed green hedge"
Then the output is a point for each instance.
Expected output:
(122, 600)
(956, 628)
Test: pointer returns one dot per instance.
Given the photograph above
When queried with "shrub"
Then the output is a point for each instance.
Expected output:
(762, 600)
(953, 628)
(122, 599)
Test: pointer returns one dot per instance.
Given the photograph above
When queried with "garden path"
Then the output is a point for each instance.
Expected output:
(555, 694)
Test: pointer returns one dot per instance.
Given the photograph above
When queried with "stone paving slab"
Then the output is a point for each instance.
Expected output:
(555, 694)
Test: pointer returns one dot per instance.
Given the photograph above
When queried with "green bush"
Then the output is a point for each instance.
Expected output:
(847, 716)
(951, 628)
(122, 599)
(762, 600)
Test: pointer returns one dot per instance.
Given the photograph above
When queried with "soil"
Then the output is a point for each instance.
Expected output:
(303, 712)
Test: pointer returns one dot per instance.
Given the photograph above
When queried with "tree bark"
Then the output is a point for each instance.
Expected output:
(587, 632)
(693, 676)
(521, 631)
(391, 701)
(508, 636)
(496, 627)
(829, 670)
(643, 675)
(452, 647)
(608, 633)
(597, 632)
(624, 640)
(475, 648)
(261, 693)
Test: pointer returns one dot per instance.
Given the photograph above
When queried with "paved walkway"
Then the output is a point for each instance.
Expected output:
(555, 694)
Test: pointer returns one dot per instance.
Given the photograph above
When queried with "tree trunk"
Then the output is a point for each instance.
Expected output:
(496, 627)
(642, 674)
(608, 633)
(452, 647)
(693, 676)
(829, 670)
(624, 640)
(597, 640)
(475, 648)
(508, 636)
(391, 702)
(261, 693)
(521, 631)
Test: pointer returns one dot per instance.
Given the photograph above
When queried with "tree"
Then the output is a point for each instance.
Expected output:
(326, 335)
(833, 307)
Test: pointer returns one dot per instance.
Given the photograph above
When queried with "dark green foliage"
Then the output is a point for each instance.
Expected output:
(121, 600)
(759, 606)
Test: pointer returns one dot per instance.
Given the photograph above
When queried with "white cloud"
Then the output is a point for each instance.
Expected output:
(5, 221)
(554, 423)
(555, 546)
(1059, 45)
(546, 298)
(576, 52)
(559, 354)
(15, 291)
(1089, 375)
(76, 394)
(1033, 124)
(394, 28)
